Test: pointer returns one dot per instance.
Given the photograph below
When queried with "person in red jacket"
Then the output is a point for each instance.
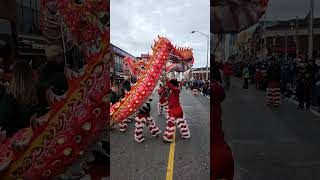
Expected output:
(221, 154)
(163, 99)
(175, 113)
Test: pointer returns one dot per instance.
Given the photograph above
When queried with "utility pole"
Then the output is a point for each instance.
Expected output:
(286, 47)
(208, 44)
(311, 30)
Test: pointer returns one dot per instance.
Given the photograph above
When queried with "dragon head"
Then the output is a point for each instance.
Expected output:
(180, 60)
(87, 22)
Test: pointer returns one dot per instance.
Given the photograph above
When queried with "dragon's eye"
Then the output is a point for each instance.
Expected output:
(78, 1)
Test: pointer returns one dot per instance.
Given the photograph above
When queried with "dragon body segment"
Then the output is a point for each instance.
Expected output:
(163, 51)
(77, 118)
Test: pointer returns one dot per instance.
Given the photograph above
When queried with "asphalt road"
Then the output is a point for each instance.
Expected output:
(149, 160)
(270, 143)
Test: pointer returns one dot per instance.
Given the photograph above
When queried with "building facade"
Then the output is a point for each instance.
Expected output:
(292, 37)
(200, 73)
(28, 16)
(116, 68)
(23, 28)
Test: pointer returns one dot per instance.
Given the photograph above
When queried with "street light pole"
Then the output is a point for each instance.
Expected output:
(296, 37)
(311, 29)
(207, 71)
(286, 47)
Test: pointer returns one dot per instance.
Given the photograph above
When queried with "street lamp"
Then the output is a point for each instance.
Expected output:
(207, 72)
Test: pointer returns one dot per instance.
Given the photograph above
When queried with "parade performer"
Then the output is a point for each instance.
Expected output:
(126, 87)
(144, 117)
(221, 157)
(163, 99)
(273, 89)
(175, 113)
(116, 94)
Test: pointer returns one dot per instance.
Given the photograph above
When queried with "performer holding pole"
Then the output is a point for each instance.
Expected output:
(175, 113)
(144, 117)
(163, 99)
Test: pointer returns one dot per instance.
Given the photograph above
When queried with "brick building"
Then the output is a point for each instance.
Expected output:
(200, 73)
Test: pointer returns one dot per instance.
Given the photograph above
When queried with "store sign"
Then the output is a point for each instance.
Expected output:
(31, 45)
(38, 46)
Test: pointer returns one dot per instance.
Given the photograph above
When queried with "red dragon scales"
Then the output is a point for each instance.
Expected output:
(165, 58)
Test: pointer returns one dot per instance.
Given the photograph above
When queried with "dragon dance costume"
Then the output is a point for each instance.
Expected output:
(144, 117)
(163, 100)
(273, 89)
(175, 114)
(123, 125)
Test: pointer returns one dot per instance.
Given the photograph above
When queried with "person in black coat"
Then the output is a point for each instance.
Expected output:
(305, 81)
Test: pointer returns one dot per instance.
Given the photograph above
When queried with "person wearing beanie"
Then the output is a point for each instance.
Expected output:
(175, 114)
(144, 118)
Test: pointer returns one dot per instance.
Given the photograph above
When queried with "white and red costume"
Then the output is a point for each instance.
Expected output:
(144, 117)
(175, 115)
(163, 99)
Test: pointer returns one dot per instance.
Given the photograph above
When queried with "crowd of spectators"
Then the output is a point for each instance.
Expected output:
(299, 78)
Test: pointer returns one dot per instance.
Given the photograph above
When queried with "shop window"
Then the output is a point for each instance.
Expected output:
(5, 27)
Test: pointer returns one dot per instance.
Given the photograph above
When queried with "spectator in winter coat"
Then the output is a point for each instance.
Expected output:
(246, 76)
(305, 80)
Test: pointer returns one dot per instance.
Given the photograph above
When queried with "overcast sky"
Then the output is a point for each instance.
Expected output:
(289, 9)
(135, 24)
